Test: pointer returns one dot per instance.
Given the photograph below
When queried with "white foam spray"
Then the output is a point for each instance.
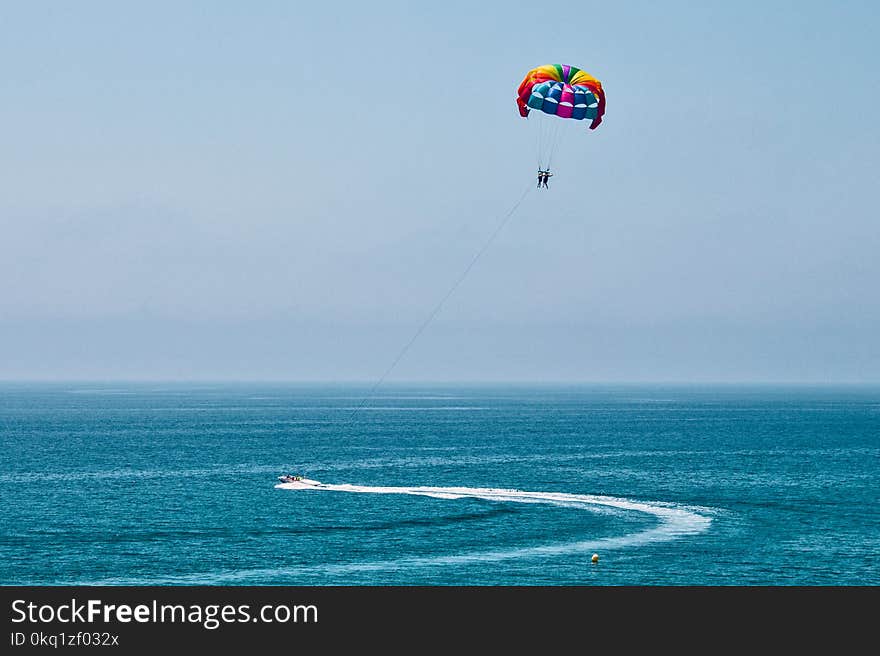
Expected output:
(675, 521)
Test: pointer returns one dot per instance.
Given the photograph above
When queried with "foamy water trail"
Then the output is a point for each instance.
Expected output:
(675, 521)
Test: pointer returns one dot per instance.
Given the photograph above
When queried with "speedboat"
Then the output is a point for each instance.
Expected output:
(296, 482)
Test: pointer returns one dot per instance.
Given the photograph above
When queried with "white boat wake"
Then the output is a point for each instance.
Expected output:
(674, 521)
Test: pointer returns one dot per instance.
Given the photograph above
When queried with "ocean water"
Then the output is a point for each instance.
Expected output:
(148, 483)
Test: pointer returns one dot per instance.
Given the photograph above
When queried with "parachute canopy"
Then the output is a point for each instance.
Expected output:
(564, 91)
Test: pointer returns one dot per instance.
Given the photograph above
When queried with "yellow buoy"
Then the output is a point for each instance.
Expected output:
(595, 558)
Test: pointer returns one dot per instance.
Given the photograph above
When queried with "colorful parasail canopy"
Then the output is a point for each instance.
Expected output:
(564, 91)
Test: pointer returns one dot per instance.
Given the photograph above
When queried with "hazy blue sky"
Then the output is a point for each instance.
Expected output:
(284, 190)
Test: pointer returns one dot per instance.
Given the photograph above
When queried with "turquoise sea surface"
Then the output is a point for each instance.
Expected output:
(150, 483)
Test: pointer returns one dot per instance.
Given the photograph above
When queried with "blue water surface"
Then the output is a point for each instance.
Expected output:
(153, 483)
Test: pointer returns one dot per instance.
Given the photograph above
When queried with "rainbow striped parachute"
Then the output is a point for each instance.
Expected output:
(564, 91)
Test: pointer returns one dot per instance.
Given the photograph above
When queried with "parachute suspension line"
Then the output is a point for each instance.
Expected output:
(540, 129)
(442, 302)
(548, 141)
(554, 142)
(545, 142)
(549, 132)
(541, 137)
(538, 140)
